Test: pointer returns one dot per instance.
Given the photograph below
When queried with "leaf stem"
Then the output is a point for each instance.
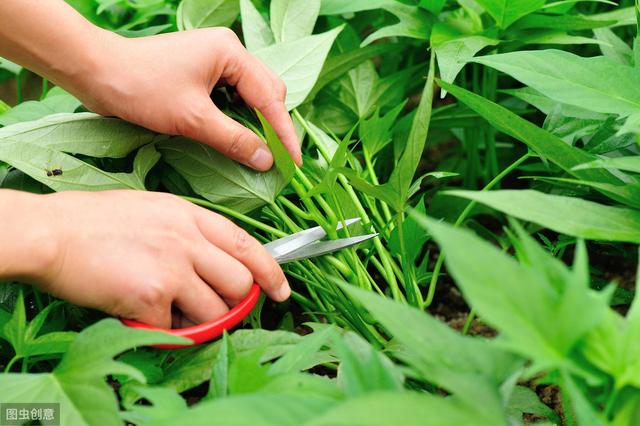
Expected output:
(461, 218)
(230, 212)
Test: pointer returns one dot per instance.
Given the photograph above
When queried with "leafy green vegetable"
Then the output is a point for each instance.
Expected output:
(24, 337)
(224, 181)
(205, 13)
(299, 63)
(77, 383)
(291, 19)
(506, 12)
(597, 84)
(546, 314)
(255, 30)
(56, 101)
(413, 22)
(568, 215)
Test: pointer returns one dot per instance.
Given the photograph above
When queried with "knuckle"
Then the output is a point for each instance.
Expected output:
(192, 120)
(227, 34)
(274, 276)
(153, 295)
(281, 89)
(243, 242)
(238, 145)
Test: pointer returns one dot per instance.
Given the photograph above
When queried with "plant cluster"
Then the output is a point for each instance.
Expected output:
(517, 120)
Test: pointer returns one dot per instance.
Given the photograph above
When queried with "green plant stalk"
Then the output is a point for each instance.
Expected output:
(366, 221)
(11, 362)
(45, 88)
(385, 257)
(461, 218)
(468, 322)
(374, 179)
(490, 81)
(295, 209)
(230, 212)
(414, 296)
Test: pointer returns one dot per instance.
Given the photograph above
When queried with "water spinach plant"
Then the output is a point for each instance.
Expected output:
(517, 120)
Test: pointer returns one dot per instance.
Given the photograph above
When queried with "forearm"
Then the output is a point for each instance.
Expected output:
(50, 38)
(25, 237)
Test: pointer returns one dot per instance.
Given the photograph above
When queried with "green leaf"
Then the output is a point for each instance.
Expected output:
(433, 6)
(24, 337)
(524, 400)
(78, 382)
(631, 125)
(281, 157)
(468, 367)
(375, 132)
(298, 63)
(396, 191)
(407, 409)
(538, 140)
(56, 101)
(338, 65)
(293, 19)
(165, 404)
(542, 308)
(549, 106)
(563, 22)
(300, 356)
(193, 366)
(82, 133)
(339, 7)
(255, 30)
(567, 215)
(206, 13)
(414, 22)
(7, 65)
(219, 383)
(454, 50)
(403, 174)
(252, 409)
(585, 413)
(506, 12)
(363, 369)
(597, 84)
(614, 47)
(38, 162)
(555, 37)
(629, 164)
(220, 179)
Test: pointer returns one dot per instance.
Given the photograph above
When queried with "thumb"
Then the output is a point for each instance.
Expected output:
(212, 127)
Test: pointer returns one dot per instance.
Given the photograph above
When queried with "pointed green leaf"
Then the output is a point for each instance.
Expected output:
(567, 215)
(298, 63)
(597, 84)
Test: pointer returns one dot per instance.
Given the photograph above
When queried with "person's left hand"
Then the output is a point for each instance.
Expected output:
(163, 83)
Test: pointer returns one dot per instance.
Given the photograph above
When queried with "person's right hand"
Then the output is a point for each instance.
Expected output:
(135, 254)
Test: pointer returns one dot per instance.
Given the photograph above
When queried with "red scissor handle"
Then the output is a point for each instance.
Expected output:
(207, 330)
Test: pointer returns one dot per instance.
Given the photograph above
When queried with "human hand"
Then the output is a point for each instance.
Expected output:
(163, 83)
(135, 254)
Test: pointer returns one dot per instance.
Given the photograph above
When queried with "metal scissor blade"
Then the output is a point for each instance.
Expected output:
(319, 248)
(291, 243)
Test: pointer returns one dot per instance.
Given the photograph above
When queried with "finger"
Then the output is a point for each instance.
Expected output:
(198, 303)
(261, 88)
(247, 250)
(226, 275)
(157, 315)
(179, 321)
(207, 124)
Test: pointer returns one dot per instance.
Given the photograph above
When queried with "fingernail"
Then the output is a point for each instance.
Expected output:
(261, 159)
(284, 291)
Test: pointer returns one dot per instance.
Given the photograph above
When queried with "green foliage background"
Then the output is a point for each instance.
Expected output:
(490, 143)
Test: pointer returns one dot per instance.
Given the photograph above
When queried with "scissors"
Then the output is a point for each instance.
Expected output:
(299, 246)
